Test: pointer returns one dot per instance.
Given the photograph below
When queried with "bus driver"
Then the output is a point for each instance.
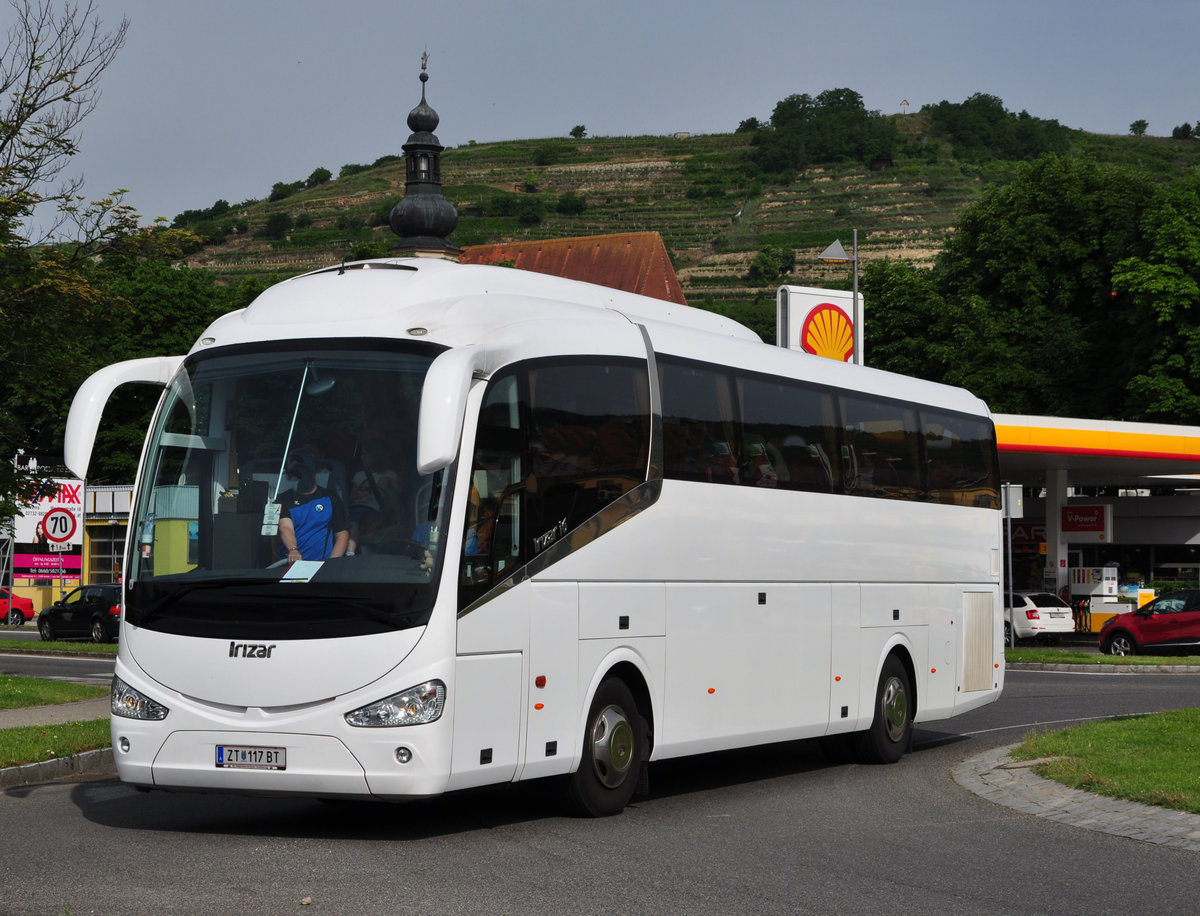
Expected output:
(314, 524)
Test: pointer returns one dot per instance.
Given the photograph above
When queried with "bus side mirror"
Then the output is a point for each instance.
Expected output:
(93, 394)
(443, 405)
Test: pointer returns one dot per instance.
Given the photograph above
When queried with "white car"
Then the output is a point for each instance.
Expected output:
(1037, 614)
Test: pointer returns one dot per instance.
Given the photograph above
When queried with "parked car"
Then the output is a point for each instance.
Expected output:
(1170, 622)
(14, 609)
(90, 610)
(1041, 615)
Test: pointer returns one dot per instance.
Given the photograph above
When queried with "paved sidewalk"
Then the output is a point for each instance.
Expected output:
(52, 715)
(997, 777)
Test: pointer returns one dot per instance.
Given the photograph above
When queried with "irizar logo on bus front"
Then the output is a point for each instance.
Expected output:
(250, 650)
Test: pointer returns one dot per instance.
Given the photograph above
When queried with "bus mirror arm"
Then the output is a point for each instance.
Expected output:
(443, 405)
(88, 404)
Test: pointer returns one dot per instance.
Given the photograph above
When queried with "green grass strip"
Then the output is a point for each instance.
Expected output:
(79, 648)
(1151, 759)
(1068, 657)
(19, 692)
(37, 743)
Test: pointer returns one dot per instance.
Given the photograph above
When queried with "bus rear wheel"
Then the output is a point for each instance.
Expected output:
(613, 751)
(890, 733)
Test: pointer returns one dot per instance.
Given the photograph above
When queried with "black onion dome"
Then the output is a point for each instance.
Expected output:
(424, 217)
(423, 119)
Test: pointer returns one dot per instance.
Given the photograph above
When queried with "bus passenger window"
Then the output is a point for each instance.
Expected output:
(788, 434)
(698, 406)
(881, 448)
(960, 463)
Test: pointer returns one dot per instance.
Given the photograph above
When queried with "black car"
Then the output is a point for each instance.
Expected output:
(90, 610)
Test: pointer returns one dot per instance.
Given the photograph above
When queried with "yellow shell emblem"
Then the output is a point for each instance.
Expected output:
(829, 332)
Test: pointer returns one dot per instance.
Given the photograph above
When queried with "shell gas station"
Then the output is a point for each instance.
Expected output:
(1095, 510)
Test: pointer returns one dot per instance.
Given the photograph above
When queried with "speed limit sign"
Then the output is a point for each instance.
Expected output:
(59, 525)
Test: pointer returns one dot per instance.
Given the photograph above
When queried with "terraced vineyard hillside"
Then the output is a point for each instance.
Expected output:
(696, 191)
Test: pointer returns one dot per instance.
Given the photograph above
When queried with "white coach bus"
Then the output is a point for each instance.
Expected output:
(560, 531)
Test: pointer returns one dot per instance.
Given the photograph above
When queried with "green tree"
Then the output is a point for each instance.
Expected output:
(547, 153)
(318, 177)
(571, 204)
(908, 320)
(282, 189)
(278, 225)
(833, 127)
(363, 251)
(158, 308)
(530, 210)
(50, 72)
(982, 129)
(1028, 275)
(771, 264)
(1139, 127)
(578, 132)
(1161, 288)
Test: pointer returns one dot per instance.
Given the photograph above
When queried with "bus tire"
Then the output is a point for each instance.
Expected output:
(614, 747)
(890, 734)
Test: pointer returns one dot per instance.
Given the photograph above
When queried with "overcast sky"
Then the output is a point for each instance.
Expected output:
(222, 98)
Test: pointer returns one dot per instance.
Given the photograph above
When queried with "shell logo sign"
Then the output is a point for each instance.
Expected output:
(828, 331)
(817, 321)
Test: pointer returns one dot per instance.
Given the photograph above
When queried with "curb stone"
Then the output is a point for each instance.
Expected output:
(994, 775)
(1103, 669)
(88, 763)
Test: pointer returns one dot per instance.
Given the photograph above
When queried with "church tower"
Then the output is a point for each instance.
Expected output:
(424, 218)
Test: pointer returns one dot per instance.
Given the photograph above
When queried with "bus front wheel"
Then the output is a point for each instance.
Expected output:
(890, 733)
(613, 748)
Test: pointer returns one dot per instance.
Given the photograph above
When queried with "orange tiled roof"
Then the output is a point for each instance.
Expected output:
(635, 262)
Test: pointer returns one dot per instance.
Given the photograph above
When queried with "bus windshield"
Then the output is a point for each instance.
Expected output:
(281, 499)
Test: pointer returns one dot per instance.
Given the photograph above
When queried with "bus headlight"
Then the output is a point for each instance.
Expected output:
(414, 706)
(132, 704)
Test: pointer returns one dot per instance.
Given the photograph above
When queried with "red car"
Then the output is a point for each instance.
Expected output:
(1168, 623)
(14, 609)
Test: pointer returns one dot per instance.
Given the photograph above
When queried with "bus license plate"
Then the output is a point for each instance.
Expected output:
(253, 758)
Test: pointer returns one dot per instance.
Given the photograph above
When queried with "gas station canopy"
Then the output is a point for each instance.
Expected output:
(1095, 452)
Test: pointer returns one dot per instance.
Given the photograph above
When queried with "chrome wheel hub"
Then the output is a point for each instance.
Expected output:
(894, 704)
(612, 747)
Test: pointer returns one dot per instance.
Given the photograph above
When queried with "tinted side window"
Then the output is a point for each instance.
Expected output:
(589, 442)
(556, 442)
(880, 454)
(736, 427)
(960, 460)
(789, 435)
(699, 435)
